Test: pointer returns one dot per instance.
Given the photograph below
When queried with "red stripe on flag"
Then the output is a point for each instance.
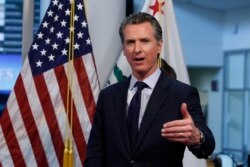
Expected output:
(10, 138)
(30, 124)
(85, 88)
(50, 116)
(77, 131)
(79, 137)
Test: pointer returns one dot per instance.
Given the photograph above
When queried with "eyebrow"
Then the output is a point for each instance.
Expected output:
(141, 39)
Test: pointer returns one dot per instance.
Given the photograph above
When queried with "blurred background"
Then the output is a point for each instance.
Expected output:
(215, 38)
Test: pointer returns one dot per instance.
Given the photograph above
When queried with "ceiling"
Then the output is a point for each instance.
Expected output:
(219, 4)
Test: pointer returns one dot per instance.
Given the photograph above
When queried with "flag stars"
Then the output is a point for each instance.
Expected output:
(76, 46)
(60, 6)
(80, 34)
(43, 52)
(55, 46)
(79, 6)
(45, 24)
(67, 40)
(51, 29)
(59, 34)
(84, 24)
(76, 18)
(54, 38)
(50, 13)
(64, 52)
(88, 41)
(39, 63)
(63, 23)
(51, 57)
(47, 41)
(56, 18)
(35, 46)
(40, 35)
(67, 12)
(55, 2)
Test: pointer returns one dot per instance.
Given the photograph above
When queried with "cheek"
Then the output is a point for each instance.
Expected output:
(127, 50)
(127, 55)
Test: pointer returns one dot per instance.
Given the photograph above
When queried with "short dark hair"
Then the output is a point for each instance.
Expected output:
(141, 18)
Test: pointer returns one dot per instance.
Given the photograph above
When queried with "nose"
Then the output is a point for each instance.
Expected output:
(138, 48)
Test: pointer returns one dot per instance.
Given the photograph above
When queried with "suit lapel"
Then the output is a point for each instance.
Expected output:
(120, 99)
(157, 97)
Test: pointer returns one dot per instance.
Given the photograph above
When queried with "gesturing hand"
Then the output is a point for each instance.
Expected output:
(183, 131)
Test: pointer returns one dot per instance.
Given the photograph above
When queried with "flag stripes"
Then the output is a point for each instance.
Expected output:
(6, 156)
(37, 105)
(50, 117)
(29, 124)
(30, 117)
(33, 125)
(61, 75)
(55, 119)
(87, 95)
(89, 65)
(10, 136)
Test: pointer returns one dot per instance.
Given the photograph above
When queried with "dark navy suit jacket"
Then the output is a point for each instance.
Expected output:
(109, 146)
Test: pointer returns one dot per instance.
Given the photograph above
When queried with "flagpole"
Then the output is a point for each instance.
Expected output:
(68, 157)
(71, 152)
(28, 19)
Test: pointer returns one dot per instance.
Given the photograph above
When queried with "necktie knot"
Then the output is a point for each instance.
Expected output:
(140, 85)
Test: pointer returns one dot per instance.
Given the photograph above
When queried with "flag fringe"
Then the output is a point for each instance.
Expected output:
(71, 154)
(66, 154)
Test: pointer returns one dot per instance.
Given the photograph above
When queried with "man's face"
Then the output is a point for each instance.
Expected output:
(141, 49)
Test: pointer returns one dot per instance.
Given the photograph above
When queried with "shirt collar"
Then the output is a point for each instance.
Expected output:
(150, 80)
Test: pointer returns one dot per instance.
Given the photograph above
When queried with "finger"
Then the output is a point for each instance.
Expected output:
(174, 134)
(177, 137)
(175, 123)
(184, 111)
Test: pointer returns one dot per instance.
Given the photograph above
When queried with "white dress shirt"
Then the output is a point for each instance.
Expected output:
(146, 92)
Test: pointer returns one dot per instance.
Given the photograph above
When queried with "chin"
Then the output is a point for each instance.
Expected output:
(139, 70)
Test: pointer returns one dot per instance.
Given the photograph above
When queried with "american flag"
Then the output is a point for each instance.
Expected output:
(33, 125)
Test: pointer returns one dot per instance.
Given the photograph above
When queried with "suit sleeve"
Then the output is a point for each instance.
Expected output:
(194, 108)
(95, 146)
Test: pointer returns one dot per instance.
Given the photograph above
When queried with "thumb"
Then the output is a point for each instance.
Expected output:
(184, 111)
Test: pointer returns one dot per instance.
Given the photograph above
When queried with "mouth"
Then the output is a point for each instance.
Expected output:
(138, 60)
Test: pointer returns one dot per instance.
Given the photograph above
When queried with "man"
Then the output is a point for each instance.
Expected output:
(169, 117)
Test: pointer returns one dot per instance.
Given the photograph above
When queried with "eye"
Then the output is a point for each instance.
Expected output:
(145, 41)
(129, 42)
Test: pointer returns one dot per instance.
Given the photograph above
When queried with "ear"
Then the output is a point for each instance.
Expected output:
(160, 43)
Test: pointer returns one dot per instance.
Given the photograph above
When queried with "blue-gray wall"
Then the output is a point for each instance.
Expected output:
(206, 34)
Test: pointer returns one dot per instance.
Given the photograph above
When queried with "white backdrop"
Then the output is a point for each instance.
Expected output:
(104, 18)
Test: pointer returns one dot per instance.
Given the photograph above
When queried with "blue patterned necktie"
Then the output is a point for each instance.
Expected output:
(133, 113)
